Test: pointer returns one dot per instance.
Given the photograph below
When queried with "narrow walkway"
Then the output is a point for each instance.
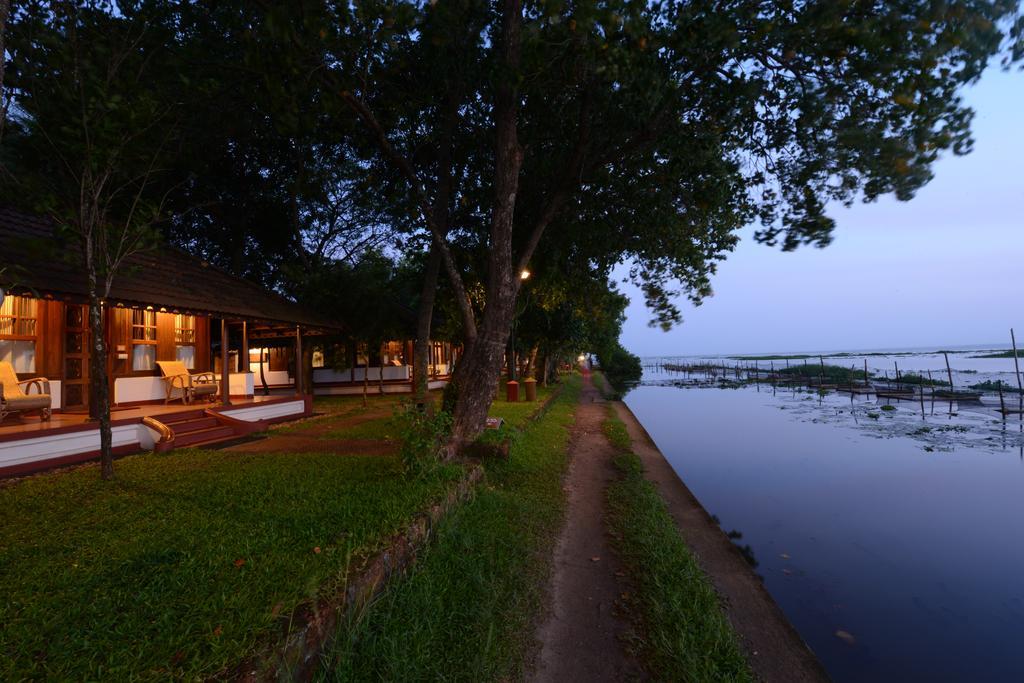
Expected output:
(582, 637)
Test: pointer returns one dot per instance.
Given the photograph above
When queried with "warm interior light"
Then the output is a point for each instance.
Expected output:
(524, 275)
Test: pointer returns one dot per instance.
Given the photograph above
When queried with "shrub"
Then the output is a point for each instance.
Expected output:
(423, 433)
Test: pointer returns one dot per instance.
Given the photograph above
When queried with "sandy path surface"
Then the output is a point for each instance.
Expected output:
(581, 640)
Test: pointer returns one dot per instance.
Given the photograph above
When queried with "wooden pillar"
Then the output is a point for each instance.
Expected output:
(299, 388)
(243, 355)
(225, 375)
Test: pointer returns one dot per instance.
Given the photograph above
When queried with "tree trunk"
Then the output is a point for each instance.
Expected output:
(424, 316)
(366, 374)
(477, 374)
(531, 363)
(380, 378)
(100, 385)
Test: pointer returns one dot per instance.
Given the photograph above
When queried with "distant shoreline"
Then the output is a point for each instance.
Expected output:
(839, 353)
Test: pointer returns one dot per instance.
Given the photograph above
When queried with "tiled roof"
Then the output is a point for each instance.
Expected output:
(33, 257)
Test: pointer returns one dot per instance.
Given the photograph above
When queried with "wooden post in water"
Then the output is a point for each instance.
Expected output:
(866, 383)
(897, 366)
(930, 383)
(949, 370)
(1016, 363)
(922, 396)
(821, 359)
(1002, 404)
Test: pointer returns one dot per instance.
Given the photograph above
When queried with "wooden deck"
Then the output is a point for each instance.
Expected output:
(28, 444)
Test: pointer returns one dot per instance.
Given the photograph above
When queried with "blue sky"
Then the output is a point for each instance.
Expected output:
(946, 268)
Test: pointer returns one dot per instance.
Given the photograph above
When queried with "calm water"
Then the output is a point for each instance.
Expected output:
(900, 528)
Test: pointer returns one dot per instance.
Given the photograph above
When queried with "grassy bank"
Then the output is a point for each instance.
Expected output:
(1008, 353)
(466, 612)
(681, 631)
(180, 566)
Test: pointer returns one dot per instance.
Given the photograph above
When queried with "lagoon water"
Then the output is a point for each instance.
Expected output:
(900, 527)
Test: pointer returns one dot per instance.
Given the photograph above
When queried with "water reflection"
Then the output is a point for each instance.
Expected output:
(894, 527)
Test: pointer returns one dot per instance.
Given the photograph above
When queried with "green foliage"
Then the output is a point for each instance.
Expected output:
(989, 385)
(917, 379)
(449, 396)
(683, 633)
(616, 433)
(423, 433)
(620, 366)
(95, 124)
(184, 563)
(832, 373)
(468, 610)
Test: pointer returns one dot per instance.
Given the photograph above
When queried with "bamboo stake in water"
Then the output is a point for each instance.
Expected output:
(931, 383)
(866, 383)
(1016, 363)
(822, 359)
(897, 366)
(949, 371)
(922, 397)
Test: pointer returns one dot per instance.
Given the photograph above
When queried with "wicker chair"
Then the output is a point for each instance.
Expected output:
(16, 395)
(190, 386)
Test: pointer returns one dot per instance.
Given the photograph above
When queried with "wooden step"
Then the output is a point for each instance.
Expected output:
(185, 426)
(204, 436)
(184, 416)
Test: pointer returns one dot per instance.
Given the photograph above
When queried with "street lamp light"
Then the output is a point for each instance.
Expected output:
(525, 275)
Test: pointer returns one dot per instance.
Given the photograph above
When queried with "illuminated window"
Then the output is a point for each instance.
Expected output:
(143, 340)
(184, 329)
(187, 355)
(18, 333)
(185, 339)
(143, 357)
(143, 325)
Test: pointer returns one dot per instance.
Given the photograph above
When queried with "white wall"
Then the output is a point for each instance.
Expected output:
(268, 411)
(391, 372)
(132, 389)
(239, 383)
(272, 376)
(21, 451)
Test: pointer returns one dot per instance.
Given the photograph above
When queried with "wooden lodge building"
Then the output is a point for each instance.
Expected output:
(168, 313)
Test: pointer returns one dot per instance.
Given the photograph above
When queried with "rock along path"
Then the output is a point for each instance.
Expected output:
(582, 638)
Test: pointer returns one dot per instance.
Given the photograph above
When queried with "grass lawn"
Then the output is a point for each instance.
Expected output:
(181, 566)
(467, 610)
(330, 409)
(681, 632)
(516, 415)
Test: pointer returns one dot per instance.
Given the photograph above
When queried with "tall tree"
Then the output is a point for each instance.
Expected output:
(91, 131)
(652, 131)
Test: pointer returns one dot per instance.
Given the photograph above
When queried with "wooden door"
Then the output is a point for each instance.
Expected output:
(76, 357)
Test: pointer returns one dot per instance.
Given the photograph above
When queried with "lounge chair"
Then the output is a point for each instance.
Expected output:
(16, 395)
(190, 386)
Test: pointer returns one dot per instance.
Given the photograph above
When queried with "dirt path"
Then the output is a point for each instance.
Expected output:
(774, 648)
(582, 638)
